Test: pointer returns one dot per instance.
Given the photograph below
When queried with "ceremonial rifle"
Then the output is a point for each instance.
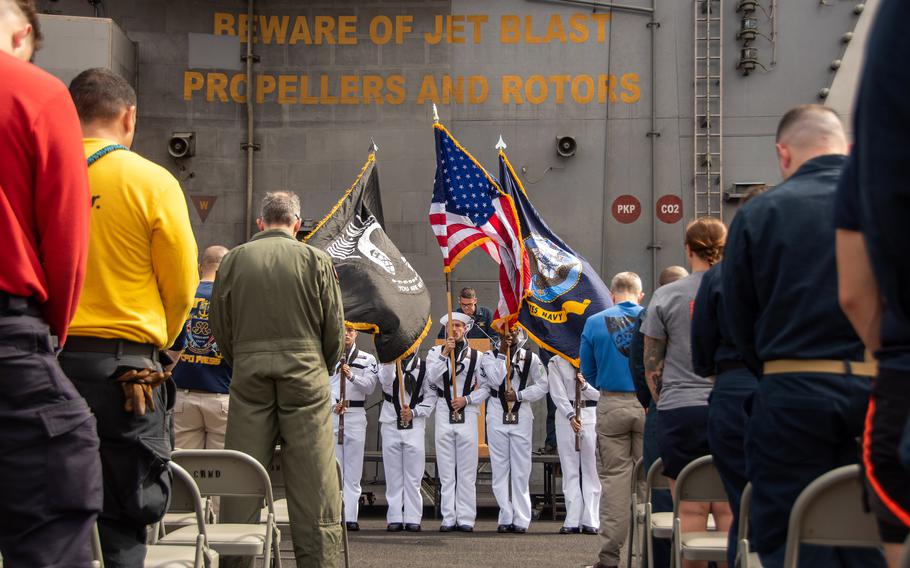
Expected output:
(577, 412)
(342, 394)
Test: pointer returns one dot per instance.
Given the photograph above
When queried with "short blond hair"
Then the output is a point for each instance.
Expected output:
(626, 283)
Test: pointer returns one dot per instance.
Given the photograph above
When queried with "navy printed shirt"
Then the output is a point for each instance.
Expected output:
(201, 365)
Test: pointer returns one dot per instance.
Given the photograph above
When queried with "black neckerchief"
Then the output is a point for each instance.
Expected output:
(469, 377)
(523, 374)
(411, 383)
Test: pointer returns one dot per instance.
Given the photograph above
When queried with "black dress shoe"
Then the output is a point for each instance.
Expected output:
(394, 527)
(519, 530)
(448, 528)
(569, 530)
(588, 530)
(352, 526)
(412, 527)
(504, 528)
(465, 528)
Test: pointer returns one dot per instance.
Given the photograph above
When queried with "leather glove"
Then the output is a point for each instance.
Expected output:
(138, 388)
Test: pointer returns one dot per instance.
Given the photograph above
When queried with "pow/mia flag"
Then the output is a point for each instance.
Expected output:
(565, 289)
(381, 291)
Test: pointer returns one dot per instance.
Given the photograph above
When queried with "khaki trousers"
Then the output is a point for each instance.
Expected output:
(200, 419)
(286, 396)
(620, 429)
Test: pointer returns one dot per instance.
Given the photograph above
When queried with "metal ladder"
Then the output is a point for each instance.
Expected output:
(708, 179)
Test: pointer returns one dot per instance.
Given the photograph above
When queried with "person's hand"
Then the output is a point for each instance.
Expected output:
(511, 396)
(406, 414)
(346, 372)
(580, 379)
(459, 403)
(575, 423)
(339, 408)
(449, 346)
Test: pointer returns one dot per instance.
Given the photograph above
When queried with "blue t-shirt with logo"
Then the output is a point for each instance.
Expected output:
(201, 365)
(605, 344)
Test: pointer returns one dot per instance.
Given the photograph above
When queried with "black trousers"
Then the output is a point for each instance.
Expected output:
(50, 472)
(134, 453)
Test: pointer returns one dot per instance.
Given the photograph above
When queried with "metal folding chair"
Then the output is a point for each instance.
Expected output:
(745, 558)
(185, 495)
(700, 482)
(637, 512)
(829, 512)
(229, 473)
(657, 525)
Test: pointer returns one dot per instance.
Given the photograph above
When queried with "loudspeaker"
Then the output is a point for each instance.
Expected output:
(566, 146)
(182, 145)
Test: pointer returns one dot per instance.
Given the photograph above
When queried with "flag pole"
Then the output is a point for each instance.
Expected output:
(508, 370)
(400, 381)
(449, 329)
(448, 300)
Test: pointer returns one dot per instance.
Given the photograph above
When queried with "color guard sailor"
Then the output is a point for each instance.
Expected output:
(360, 372)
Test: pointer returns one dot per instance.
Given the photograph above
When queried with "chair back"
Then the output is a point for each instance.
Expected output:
(185, 495)
(656, 479)
(829, 512)
(745, 503)
(226, 473)
(698, 481)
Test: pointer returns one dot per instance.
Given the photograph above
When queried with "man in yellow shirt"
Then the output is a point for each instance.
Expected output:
(139, 286)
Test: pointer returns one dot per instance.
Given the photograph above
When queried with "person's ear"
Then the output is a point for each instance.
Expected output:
(297, 224)
(22, 43)
(784, 156)
(641, 296)
(128, 124)
(260, 224)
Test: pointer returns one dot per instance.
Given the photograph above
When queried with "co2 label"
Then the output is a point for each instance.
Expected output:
(669, 209)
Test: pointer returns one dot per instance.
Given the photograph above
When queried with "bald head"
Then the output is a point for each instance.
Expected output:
(671, 274)
(20, 32)
(211, 259)
(806, 132)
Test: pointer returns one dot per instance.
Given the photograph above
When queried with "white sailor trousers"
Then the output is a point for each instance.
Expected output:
(580, 484)
(510, 458)
(403, 460)
(456, 462)
(351, 458)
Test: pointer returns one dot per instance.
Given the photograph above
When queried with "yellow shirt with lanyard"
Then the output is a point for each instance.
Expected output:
(142, 275)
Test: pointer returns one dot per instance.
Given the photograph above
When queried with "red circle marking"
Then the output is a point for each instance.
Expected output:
(669, 209)
(626, 209)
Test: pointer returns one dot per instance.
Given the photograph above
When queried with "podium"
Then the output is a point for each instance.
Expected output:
(480, 345)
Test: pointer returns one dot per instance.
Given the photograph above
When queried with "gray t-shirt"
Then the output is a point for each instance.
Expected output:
(669, 317)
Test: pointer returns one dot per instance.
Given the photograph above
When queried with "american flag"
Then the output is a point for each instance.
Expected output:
(469, 210)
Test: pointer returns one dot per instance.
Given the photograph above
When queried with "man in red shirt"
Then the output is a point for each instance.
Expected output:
(50, 471)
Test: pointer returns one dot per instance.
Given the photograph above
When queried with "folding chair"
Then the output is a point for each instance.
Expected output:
(657, 525)
(97, 555)
(700, 482)
(745, 558)
(184, 496)
(829, 512)
(637, 512)
(229, 473)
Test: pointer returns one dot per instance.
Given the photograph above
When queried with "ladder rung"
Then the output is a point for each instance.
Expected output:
(708, 57)
(707, 77)
(703, 20)
(707, 96)
(712, 38)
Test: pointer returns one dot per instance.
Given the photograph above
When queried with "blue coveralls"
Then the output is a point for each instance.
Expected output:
(780, 302)
(874, 198)
(714, 355)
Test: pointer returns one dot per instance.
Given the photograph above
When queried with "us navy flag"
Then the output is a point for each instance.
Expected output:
(381, 291)
(565, 289)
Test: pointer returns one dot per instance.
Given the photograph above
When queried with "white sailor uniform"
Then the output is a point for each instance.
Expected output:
(364, 376)
(456, 444)
(510, 444)
(580, 484)
(404, 450)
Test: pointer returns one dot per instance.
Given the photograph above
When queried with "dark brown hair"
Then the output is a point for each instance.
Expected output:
(100, 93)
(706, 237)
